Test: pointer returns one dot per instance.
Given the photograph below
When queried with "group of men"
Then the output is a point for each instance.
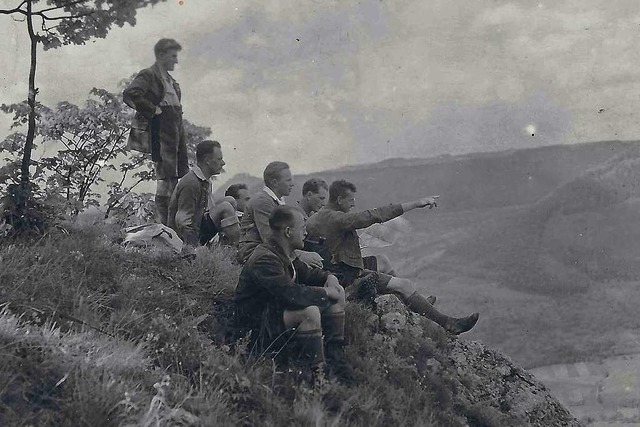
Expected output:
(297, 260)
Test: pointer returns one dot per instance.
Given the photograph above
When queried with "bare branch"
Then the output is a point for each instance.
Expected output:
(14, 10)
(57, 18)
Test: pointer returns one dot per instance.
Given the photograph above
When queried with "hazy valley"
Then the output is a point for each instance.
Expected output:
(544, 243)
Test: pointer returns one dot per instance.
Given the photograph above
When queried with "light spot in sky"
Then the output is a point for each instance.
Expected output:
(530, 130)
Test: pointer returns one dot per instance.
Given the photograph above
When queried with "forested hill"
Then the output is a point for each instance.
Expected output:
(470, 181)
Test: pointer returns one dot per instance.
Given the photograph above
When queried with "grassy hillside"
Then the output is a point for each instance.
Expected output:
(95, 334)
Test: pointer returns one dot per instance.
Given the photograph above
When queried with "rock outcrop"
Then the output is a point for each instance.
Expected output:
(490, 388)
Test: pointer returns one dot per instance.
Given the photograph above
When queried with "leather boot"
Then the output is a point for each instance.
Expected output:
(419, 304)
(337, 364)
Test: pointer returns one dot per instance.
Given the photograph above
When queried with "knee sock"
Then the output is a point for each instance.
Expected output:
(309, 347)
(419, 304)
(333, 327)
(162, 209)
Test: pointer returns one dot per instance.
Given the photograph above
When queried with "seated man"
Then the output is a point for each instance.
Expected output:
(240, 194)
(192, 197)
(314, 196)
(337, 226)
(315, 192)
(254, 227)
(276, 292)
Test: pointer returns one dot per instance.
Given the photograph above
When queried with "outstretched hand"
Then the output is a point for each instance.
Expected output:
(430, 202)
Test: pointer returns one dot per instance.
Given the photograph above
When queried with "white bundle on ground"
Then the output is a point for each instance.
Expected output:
(157, 235)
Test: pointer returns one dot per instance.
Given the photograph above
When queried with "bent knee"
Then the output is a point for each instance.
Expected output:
(384, 263)
(307, 318)
(404, 287)
(311, 313)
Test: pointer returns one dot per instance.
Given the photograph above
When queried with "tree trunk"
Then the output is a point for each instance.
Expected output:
(31, 101)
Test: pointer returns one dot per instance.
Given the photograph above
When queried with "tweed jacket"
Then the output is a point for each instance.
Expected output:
(339, 230)
(146, 91)
(187, 206)
(254, 226)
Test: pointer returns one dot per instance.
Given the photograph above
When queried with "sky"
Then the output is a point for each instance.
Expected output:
(323, 84)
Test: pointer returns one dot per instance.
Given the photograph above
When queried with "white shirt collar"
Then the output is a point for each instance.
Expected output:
(196, 169)
(273, 195)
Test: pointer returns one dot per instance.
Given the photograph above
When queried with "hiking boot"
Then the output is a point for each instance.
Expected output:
(457, 326)
(364, 288)
(337, 365)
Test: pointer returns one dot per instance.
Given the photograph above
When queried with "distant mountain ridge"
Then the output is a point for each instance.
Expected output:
(468, 181)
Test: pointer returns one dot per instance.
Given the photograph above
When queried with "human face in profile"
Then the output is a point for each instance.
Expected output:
(317, 200)
(347, 202)
(243, 199)
(216, 162)
(284, 184)
(297, 232)
(168, 60)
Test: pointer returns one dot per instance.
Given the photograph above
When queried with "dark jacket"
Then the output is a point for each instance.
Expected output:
(339, 230)
(146, 91)
(163, 134)
(254, 225)
(187, 206)
(267, 287)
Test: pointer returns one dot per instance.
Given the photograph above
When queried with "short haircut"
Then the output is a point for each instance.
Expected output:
(339, 189)
(234, 190)
(273, 170)
(165, 45)
(205, 148)
(314, 185)
(283, 216)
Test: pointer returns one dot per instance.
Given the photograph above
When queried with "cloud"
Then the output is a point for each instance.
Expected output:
(456, 129)
(323, 84)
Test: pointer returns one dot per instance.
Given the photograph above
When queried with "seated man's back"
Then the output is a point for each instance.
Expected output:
(254, 225)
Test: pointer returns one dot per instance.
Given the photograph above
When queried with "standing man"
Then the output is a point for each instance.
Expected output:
(254, 227)
(337, 225)
(192, 195)
(315, 192)
(276, 292)
(155, 96)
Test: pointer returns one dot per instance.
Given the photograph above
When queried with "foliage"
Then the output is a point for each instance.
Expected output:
(62, 22)
(13, 146)
(67, 22)
(90, 139)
